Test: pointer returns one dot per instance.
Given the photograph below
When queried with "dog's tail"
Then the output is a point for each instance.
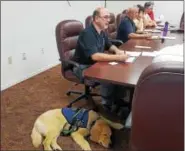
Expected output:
(36, 138)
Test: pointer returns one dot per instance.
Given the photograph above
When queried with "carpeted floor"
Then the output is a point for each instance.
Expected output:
(24, 102)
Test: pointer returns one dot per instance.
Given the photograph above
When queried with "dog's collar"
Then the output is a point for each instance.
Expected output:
(91, 125)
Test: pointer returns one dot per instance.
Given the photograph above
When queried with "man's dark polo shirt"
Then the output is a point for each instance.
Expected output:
(126, 27)
(89, 43)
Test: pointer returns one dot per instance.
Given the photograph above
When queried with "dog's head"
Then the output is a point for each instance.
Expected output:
(101, 133)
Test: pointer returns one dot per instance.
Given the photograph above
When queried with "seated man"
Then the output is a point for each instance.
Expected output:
(90, 48)
(127, 28)
(149, 20)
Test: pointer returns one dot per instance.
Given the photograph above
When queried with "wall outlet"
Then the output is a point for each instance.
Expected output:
(24, 56)
(10, 60)
(42, 50)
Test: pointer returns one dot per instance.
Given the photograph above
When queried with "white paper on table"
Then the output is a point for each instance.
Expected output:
(155, 37)
(133, 53)
(144, 47)
(165, 37)
(151, 54)
(148, 30)
(113, 63)
(158, 27)
(130, 59)
(153, 31)
(156, 31)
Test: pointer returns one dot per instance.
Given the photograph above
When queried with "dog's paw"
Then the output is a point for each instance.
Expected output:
(86, 148)
(118, 126)
(56, 147)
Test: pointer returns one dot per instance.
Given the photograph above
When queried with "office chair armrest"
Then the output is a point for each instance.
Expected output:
(116, 42)
(70, 62)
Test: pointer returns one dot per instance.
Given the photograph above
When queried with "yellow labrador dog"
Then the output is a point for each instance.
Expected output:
(78, 123)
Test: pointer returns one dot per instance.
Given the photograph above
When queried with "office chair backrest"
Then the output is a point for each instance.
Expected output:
(158, 108)
(67, 33)
(88, 21)
(120, 17)
(112, 30)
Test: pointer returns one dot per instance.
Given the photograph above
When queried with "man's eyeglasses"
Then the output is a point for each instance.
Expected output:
(105, 17)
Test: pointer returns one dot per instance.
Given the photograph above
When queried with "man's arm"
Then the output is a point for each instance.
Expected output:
(109, 46)
(115, 50)
(108, 57)
(135, 35)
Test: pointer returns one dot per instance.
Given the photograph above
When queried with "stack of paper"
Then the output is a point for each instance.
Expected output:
(162, 37)
(133, 53)
(170, 53)
(168, 58)
(172, 50)
(165, 37)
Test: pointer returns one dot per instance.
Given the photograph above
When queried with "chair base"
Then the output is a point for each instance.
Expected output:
(83, 95)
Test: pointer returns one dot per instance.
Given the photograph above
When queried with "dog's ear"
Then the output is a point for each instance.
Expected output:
(94, 135)
(95, 132)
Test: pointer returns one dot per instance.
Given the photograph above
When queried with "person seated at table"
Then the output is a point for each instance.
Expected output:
(139, 20)
(148, 15)
(127, 28)
(90, 48)
(151, 12)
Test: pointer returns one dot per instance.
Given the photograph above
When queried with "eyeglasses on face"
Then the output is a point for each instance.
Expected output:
(105, 17)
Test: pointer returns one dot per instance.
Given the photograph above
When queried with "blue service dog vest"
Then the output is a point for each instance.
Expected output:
(78, 117)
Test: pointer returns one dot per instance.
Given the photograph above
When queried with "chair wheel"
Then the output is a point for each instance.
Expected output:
(68, 93)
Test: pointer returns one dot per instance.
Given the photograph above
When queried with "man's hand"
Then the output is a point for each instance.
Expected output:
(120, 52)
(123, 57)
(148, 35)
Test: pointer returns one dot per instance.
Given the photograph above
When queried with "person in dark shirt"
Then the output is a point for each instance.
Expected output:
(93, 41)
(91, 44)
(127, 28)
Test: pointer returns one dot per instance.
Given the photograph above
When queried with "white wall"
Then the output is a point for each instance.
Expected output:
(172, 10)
(118, 6)
(28, 27)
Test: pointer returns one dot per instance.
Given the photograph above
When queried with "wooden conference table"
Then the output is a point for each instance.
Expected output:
(129, 73)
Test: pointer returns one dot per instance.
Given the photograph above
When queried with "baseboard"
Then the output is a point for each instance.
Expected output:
(3, 87)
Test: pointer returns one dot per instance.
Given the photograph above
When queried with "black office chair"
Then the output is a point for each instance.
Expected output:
(67, 33)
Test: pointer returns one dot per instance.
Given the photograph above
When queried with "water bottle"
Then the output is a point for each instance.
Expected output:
(165, 29)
